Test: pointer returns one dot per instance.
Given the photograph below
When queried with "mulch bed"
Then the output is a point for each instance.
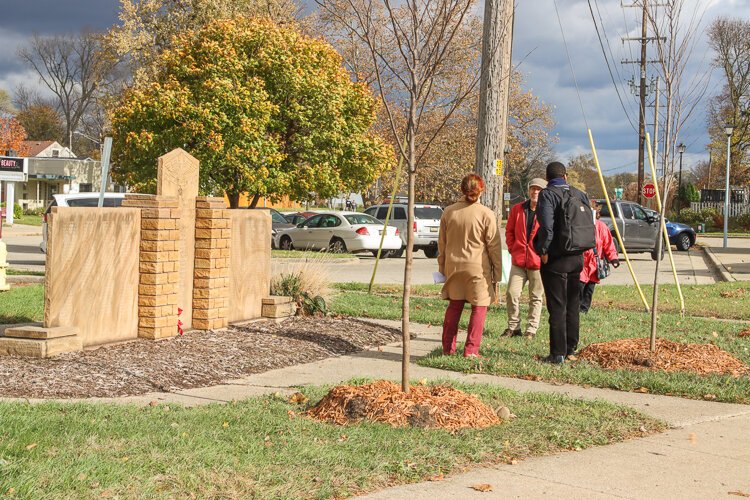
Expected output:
(382, 401)
(634, 354)
(196, 359)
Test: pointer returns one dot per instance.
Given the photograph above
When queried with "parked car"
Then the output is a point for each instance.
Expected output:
(681, 235)
(426, 226)
(77, 200)
(339, 232)
(298, 217)
(638, 229)
(278, 223)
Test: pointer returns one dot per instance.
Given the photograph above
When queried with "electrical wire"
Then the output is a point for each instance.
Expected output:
(606, 60)
(570, 63)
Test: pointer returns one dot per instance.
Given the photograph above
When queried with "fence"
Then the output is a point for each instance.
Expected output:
(735, 209)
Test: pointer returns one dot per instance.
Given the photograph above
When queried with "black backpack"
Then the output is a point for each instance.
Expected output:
(576, 230)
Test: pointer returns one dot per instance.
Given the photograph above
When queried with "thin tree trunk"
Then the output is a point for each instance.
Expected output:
(406, 355)
(234, 199)
(254, 202)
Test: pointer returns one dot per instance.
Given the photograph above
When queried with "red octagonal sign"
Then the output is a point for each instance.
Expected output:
(649, 190)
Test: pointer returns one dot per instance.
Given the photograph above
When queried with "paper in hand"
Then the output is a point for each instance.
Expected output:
(438, 277)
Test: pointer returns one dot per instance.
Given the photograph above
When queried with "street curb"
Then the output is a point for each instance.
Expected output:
(315, 259)
(717, 266)
(18, 278)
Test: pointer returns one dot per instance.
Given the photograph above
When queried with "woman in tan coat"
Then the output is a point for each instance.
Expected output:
(469, 257)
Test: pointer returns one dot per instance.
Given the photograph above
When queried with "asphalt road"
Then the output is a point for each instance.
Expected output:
(23, 253)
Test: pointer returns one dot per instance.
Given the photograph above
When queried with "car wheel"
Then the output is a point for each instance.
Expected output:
(431, 252)
(337, 245)
(286, 243)
(383, 255)
(683, 242)
(616, 243)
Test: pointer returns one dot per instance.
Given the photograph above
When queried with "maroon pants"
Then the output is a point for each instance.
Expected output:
(450, 327)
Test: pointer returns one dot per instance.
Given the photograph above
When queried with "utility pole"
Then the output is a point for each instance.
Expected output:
(642, 107)
(497, 39)
(656, 123)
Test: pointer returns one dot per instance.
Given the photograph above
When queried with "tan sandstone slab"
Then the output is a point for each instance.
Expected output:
(39, 348)
(249, 263)
(92, 274)
(38, 332)
(177, 176)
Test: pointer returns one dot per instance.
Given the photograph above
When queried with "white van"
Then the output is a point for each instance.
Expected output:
(77, 200)
(426, 226)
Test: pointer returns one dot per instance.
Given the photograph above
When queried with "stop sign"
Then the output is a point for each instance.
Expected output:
(649, 190)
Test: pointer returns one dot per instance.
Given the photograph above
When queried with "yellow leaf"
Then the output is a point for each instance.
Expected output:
(482, 487)
(423, 381)
(225, 425)
(298, 398)
(31, 446)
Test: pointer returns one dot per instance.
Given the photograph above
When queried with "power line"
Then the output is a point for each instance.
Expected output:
(609, 68)
(570, 64)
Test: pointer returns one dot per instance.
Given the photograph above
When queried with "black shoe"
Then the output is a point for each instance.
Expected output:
(553, 360)
(511, 333)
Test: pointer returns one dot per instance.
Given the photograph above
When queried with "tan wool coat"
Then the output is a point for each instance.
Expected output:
(469, 246)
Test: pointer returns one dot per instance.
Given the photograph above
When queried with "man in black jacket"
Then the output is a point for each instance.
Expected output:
(560, 272)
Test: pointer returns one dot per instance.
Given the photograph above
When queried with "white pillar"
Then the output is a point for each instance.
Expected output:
(10, 201)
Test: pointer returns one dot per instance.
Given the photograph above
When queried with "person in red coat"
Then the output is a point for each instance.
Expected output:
(605, 249)
(519, 235)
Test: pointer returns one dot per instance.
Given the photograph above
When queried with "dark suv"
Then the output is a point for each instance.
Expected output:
(638, 228)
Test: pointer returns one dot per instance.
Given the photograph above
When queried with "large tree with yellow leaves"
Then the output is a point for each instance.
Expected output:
(268, 112)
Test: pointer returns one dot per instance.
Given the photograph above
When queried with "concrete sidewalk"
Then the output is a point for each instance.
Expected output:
(705, 454)
(21, 230)
(731, 263)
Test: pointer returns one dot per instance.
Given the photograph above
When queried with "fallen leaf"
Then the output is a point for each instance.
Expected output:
(739, 493)
(82, 476)
(715, 334)
(437, 477)
(94, 485)
(512, 461)
(423, 381)
(504, 413)
(225, 425)
(298, 398)
(105, 494)
(692, 438)
(343, 438)
(125, 459)
(153, 403)
(31, 446)
(482, 487)
(291, 414)
(10, 492)
(643, 429)
(709, 397)
(642, 390)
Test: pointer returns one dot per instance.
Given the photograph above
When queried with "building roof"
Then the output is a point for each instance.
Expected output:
(36, 147)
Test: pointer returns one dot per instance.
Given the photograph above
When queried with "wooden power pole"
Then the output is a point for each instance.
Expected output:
(497, 40)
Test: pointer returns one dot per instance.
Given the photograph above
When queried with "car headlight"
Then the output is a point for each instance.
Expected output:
(273, 232)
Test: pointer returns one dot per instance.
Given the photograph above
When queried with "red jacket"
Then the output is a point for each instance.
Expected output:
(605, 247)
(521, 248)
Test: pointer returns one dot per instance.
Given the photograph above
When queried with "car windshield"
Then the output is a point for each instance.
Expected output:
(354, 219)
(277, 217)
(427, 212)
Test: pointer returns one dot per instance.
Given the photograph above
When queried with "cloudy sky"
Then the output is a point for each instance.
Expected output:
(538, 52)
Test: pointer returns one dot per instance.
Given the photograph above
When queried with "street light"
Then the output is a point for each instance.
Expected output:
(728, 129)
(681, 149)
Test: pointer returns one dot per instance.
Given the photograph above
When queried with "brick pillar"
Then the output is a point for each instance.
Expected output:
(211, 283)
(159, 265)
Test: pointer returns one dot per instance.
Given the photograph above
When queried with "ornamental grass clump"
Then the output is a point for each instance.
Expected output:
(307, 283)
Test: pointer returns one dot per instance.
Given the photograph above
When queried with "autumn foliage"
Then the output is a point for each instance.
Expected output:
(267, 111)
(12, 135)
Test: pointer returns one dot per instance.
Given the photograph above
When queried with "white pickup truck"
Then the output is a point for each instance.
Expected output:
(638, 228)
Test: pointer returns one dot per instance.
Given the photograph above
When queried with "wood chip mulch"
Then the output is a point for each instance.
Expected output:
(196, 359)
(669, 356)
(436, 406)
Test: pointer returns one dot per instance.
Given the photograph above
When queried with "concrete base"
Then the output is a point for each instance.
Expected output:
(278, 307)
(38, 342)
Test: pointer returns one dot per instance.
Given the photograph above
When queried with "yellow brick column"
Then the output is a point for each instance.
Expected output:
(211, 281)
(159, 265)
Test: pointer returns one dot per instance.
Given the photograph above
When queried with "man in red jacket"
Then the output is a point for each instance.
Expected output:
(519, 235)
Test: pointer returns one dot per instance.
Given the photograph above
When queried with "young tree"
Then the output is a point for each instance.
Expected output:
(267, 111)
(42, 123)
(6, 106)
(416, 48)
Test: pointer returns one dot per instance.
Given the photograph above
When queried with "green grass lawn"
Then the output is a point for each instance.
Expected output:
(22, 304)
(516, 357)
(303, 254)
(23, 272)
(257, 448)
(28, 220)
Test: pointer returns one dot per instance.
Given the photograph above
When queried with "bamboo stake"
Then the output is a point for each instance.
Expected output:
(614, 222)
(664, 227)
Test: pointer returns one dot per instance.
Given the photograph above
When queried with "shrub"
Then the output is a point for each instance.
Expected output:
(690, 216)
(17, 211)
(34, 211)
(742, 221)
(306, 282)
(712, 217)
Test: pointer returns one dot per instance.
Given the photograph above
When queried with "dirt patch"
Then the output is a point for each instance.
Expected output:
(669, 356)
(196, 359)
(744, 333)
(436, 406)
